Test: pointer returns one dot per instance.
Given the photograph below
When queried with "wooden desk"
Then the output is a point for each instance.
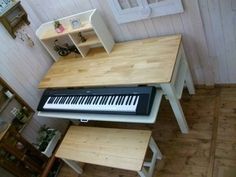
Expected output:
(160, 62)
(117, 148)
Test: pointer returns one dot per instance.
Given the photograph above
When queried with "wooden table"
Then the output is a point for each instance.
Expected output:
(117, 148)
(158, 62)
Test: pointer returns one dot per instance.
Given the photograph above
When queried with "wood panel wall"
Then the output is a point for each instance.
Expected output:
(208, 28)
(22, 67)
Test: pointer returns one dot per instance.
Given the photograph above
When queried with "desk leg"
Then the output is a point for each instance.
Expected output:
(73, 165)
(176, 107)
(188, 76)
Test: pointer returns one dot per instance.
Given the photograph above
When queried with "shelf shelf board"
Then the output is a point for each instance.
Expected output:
(90, 40)
(3, 133)
(4, 105)
(51, 33)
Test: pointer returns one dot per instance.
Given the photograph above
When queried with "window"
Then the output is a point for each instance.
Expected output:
(133, 10)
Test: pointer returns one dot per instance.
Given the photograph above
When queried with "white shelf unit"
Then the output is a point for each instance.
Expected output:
(92, 27)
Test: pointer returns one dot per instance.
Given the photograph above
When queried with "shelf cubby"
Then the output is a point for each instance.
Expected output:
(92, 27)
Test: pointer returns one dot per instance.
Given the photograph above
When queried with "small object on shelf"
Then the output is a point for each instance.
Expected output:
(75, 23)
(58, 26)
(81, 38)
(8, 94)
(65, 49)
(22, 115)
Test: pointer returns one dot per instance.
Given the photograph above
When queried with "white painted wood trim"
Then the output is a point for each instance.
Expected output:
(145, 10)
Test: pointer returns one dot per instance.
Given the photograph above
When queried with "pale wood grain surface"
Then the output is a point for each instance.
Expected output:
(208, 150)
(148, 61)
(118, 148)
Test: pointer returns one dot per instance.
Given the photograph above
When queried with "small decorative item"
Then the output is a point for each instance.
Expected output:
(47, 140)
(81, 38)
(64, 49)
(75, 23)
(8, 94)
(58, 26)
(22, 115)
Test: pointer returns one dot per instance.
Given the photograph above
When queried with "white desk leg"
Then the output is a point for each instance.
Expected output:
(189, 80)
(73, 165)
(176, 107)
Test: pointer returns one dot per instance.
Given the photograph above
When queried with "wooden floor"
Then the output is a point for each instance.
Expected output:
(208, 150)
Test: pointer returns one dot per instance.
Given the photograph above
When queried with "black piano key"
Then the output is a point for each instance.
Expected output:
(58, 98)
(99, 100)
(68, 100)
(64, 100)
(86, 101)
(122, 100)
(74, 100)
(102, 100)
(95, 100)
(77, 99)
(113, 100)
(135, 100)
(50, 100)
(110, 100)
(61, 100)
(55, 100)
(82, 99)
(90, 99)
(127, 101)
(130, 101)
(119, 102)
(106, 102)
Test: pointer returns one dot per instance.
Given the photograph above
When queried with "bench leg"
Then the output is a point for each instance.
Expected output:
(156, 155)
(73, 165)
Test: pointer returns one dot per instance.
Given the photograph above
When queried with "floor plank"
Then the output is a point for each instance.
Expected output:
(208, 150)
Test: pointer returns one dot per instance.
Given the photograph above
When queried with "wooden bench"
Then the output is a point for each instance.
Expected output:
(117, 148)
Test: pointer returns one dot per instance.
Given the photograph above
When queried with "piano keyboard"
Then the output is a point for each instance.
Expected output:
(135, 100)
(84, 117)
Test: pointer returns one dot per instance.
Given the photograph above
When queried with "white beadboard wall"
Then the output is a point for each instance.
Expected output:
(208, 28)
(22, 67)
